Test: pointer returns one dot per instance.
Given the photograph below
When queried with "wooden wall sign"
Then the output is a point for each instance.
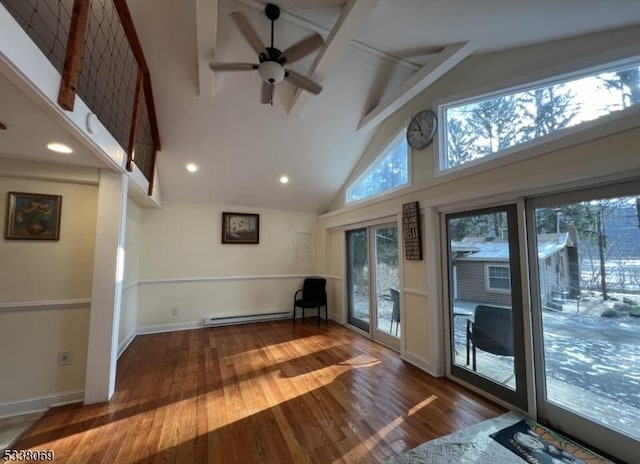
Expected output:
(411, 231)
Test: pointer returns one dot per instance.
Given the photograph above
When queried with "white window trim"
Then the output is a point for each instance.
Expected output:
(487, 279)
(625, 56)
(363, 174)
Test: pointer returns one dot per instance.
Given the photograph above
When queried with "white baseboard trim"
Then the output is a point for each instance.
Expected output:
(420, 363)
(40, 403)
(219, 321)
(162, 328)
(124, 344)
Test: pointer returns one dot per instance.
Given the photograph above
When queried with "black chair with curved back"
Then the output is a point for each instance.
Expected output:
(314, 295)
(491, 330)
(395, 313)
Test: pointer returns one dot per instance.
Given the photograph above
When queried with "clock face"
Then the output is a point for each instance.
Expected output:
(421, 129)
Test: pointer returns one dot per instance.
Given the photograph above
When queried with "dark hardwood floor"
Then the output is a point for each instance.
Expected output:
(259, 393)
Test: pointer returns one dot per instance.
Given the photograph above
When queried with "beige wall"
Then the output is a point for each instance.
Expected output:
(185, 266)
(56, 276)
(602, 154)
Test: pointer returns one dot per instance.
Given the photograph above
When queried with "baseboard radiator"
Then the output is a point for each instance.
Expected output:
(216, 321)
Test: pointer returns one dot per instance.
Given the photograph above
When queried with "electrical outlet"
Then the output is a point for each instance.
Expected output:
(64, 358)
(174, 311)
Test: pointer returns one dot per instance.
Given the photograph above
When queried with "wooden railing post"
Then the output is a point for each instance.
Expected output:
(135, 117)
(73, 56)
(143, 84)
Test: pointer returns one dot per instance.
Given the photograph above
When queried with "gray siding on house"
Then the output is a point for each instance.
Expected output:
(560, 273)
(471, 283)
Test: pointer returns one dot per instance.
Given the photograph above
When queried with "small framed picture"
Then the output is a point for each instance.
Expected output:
(33, 216)
(241, 228)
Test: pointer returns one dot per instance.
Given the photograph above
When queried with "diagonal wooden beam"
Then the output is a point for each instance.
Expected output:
(352, 17)
(2, 126)
(423, 78)
(206, 36)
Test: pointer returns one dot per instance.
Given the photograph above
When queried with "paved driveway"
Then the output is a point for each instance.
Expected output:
(599, 354)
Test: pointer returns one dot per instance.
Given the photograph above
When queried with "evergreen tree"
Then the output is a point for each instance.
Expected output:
(497, 123)
(460, 142)
(626, 83)
(552, 109)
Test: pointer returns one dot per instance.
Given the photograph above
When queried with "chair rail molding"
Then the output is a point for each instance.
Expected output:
(182, 280)
(45, 305)
(416, 291)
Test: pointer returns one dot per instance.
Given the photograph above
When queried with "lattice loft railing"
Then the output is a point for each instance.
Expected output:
(94, 46)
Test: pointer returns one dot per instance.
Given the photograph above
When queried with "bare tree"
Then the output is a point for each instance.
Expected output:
(627, 83)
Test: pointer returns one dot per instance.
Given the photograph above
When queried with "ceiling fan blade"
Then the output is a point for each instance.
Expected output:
(266, 93)
(233, 66)
(301, 49)
(303, 82)
(249, 33)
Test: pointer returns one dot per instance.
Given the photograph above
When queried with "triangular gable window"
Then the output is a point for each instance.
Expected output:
(388, 172)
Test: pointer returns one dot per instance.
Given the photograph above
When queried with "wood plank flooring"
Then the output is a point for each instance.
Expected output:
(259, 393)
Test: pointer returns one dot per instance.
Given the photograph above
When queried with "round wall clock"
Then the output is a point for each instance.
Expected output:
(422, 129)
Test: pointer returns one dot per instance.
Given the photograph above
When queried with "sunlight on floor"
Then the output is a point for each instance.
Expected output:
(380, 435)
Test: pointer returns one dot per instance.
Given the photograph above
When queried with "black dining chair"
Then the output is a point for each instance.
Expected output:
(491, 330)
(314, 295)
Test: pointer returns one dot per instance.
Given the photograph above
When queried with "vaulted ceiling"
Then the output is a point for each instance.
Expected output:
(378, 53)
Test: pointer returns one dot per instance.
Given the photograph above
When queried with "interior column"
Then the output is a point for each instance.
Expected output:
(107, 287)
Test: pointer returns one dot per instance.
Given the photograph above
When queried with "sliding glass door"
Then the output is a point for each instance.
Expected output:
(485, 302)
(373, 290)
(358, 290)
(586, 301)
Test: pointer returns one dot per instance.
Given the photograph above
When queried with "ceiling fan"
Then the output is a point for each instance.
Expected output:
(272, 61)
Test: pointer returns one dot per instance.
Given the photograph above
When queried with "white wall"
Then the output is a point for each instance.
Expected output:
(602, 154)
(129, 308)
(184, 265)
(45, 290)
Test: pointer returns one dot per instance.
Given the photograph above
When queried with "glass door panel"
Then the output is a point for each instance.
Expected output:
(358, 278)
(485, 302)
(587, 321)
(386, 309)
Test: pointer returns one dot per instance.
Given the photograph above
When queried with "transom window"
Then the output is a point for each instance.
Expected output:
(389, 171)
(487, 125)
(498, 278)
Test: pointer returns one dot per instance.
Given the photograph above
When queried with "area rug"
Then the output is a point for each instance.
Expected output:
(476, 445)
(538, 444)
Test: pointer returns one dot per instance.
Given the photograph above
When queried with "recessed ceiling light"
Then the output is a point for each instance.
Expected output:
(192, 167)
(284, 179)
(59, 148)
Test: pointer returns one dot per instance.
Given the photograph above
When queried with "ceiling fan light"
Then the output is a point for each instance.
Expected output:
(271, 72)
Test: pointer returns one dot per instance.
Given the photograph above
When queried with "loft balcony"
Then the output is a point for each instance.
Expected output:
(83, 59)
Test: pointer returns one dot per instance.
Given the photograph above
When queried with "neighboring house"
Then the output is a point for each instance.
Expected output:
(482, 272)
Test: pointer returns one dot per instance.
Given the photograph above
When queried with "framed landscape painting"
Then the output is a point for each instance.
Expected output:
(240, 228)
(33, 216)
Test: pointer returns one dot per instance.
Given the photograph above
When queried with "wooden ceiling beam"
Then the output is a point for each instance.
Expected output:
(353, 15)
(207, 31)
(450, 56)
